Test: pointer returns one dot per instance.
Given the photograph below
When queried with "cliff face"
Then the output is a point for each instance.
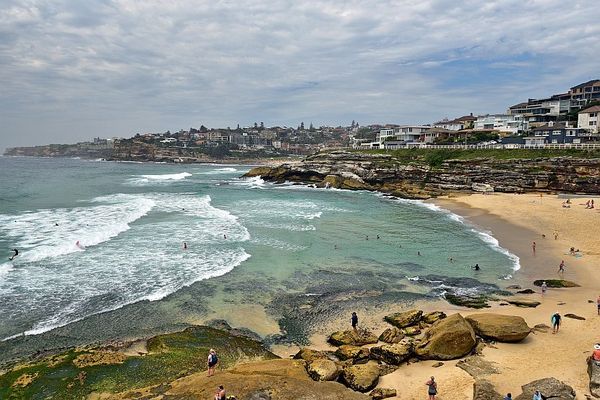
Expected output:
(417, 180)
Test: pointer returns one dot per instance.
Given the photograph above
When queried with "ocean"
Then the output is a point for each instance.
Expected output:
(96, 236)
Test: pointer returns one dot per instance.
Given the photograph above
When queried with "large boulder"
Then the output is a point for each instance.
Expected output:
(394, 354)
(548, 387)
(502, 328)
(404, 319)
(361, 377)
(484, 390)
(594, 374)
(391, 335)
(354, 353)
(382, 393)
(555, 283)
(355, 338)
(307, 354)
(323, 370)
(524, 303)
(433, 316)
(449, 338)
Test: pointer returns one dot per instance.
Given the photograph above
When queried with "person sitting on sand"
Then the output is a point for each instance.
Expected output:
(555, 319)
(220, 395)
(432, 389)
(508, 397)
(596, 353)
(537, 395)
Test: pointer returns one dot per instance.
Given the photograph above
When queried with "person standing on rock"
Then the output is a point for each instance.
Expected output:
(555, 322)
(537, 395)
(432, 388)
(354, 321)
(212, 362)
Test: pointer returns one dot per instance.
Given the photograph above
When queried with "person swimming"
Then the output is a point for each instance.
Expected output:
(476, 267)
(14, 255)
(185, 245)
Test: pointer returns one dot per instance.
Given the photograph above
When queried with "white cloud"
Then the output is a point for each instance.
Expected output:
(72, 70)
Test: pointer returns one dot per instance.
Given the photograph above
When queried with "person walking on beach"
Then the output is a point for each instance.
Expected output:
(561, 267)
(555, 235)
(432, 388)
(556, 318)
(220, 395)
(354, 321)
(545, 287)
(212, 362)
(533, 247)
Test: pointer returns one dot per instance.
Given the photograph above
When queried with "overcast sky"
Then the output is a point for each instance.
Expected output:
(72, 70)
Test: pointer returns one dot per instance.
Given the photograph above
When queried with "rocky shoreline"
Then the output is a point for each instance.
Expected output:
(422, 179)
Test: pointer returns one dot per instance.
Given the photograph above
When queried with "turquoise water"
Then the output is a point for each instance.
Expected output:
(131, 221)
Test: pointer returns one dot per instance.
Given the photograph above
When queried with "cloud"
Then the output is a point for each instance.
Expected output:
(73, 70)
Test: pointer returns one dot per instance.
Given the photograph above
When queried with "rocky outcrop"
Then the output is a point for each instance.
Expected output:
(524, 303)
(548, 387)
(574, 316)
(404, 319)
(447, 339)
(555, 283)
(502, 328)
(382, 393)
(484, 390)
(431, 317)
(391, 335)
(355, 338)
(429, 175)
(307, 354)
(323, 370)
(593, 371)
(477, 366)
(361, 377)
(394, 354)
(354, 353)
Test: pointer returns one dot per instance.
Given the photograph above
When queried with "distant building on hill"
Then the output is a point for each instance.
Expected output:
(588, 119)
(585, 93)
(503, 123)
(558, 133)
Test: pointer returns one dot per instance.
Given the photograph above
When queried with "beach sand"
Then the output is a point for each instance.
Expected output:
(516, 221)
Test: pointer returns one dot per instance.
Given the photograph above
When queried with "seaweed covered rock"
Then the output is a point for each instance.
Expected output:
(356, 338)
(502, 328)
(524, 303)
(307, 354)
(404, 319)
(448, 339)
(484, 390)
(431, 317)
(556, 283)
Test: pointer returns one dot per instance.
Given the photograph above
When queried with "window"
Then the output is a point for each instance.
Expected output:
(593, 115)
(556, 132)
(593, 123)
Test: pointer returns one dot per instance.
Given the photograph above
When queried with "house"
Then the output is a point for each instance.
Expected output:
(559, 133)
(585, 92)
(464, 122)
(503, 123)
(588, 119)
(537, 112)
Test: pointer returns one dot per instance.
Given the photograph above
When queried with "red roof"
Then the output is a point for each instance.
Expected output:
(590, 110)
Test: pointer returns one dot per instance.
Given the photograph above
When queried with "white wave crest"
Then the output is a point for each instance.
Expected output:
(143, 180)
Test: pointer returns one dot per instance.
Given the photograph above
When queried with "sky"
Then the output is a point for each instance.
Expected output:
(74, 70)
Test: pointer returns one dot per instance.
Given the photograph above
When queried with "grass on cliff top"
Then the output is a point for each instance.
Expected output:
(435, 157)
(170, 357)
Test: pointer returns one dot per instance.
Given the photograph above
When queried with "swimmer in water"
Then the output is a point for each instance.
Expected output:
(184, 245)
(476, 267)
(14, 255)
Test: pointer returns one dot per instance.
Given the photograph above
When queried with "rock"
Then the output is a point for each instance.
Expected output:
(524, 303)
(549, 387)
(555, 283)
(391, 335)
(514, 287)
(477, 366)
(361, 377)
(359, 338)
(394, 354)
(484, 390)
(591, 301)
(322, 370)
(526, 291)
(502, 328)
(307, 354)
(574, 316)
(411, 331)
(447, 339)
(593, 371)
(432, 317)
(382, 393)
(476, 301)
(437, 364)
(404, 319)
(99, 358)
(354, 353)
(541, 328)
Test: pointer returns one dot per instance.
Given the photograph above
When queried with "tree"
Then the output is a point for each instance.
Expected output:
(255, 125)
(301, 126)
(311, 127)
(262, 125)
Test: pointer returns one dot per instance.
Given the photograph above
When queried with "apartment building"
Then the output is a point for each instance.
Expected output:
(504, 123)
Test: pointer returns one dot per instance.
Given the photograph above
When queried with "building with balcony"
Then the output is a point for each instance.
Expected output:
(503, 123)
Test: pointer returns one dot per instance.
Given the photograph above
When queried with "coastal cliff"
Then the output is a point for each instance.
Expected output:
(422, 176)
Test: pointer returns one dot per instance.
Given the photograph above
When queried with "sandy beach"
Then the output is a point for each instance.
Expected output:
(517, 221)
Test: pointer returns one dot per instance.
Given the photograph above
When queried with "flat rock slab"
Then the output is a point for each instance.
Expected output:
(404, 319)
(477, 367)
(548, 387)
(524, 303)
(555, 283)
(382, 393)
(484, 390)
(574, 316)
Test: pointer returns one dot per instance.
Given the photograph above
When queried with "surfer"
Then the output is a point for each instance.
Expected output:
(14, 255)
(476, 267)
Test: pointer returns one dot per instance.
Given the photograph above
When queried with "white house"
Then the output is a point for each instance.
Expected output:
(502, 122)
(588, 119)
